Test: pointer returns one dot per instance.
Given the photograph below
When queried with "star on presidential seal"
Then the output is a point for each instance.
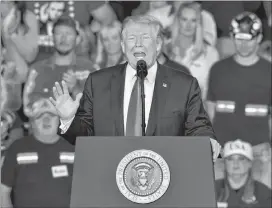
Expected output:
(143, 176)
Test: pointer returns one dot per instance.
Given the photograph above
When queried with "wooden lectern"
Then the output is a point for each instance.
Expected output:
(189, 160)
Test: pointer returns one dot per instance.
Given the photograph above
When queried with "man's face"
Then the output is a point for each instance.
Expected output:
(140, 43)
(237, 165)
(187, 20)
(55, 10)
(246, 48)
(64, 39)
(46, 124)
(112, 43)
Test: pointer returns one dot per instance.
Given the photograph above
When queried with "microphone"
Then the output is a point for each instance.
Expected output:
(142, 73)
(141, 69)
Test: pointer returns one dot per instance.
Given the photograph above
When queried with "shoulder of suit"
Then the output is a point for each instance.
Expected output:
(109, 71)
(177, 73)
(176, 66)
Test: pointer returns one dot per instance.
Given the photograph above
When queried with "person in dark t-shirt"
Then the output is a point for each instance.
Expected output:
(64, 64)
(239, 92)
(37, 170)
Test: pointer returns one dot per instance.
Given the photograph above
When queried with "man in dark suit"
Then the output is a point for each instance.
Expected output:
(107, 105)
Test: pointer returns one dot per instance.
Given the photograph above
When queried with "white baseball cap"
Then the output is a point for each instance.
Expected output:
(238, 147)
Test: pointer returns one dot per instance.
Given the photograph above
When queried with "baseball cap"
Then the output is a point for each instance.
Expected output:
(246, 26)
(42, 106)
(238, 147)
(36, 103)
(67, 21)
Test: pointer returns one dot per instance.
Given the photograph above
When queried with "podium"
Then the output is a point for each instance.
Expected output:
(97, 160)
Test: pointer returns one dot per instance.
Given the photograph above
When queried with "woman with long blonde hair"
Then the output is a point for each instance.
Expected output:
(187, 44)
(109, 51)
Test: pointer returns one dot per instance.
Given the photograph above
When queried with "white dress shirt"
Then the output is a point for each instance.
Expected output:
(130, 79)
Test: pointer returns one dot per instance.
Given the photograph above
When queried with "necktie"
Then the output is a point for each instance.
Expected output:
(134, 115)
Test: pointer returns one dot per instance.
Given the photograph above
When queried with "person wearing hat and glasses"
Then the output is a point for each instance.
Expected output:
(37, 170)
(238, 188)
(239, 90)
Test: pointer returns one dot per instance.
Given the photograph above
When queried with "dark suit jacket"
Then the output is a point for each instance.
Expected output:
(176, 110)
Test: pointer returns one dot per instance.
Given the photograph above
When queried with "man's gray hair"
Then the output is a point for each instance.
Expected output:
(143, 19)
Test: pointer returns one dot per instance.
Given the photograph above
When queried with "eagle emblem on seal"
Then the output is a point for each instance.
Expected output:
(143, 176)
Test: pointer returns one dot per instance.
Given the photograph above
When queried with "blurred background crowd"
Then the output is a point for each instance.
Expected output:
(226, 45)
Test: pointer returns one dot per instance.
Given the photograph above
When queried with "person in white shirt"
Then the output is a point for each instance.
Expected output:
(187, 44)
(106, 108)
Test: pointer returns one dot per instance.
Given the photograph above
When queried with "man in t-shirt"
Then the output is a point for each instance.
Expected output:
(239, 94)
(64, 64)
(100, 12)
(37, 170)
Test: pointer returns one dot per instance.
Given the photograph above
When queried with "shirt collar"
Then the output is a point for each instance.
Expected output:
(52, 60)
(151, 76)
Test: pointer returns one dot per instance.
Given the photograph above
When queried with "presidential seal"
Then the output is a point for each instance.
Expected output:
(143, 176)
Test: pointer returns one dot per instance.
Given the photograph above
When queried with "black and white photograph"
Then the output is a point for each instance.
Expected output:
(125, 104)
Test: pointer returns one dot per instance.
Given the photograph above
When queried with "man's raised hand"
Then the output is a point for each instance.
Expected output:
(66, 107)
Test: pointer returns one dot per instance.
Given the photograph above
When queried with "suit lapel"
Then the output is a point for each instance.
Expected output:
(117, 97)
(161, 89)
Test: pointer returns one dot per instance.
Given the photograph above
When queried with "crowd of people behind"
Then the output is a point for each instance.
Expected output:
(226, 46)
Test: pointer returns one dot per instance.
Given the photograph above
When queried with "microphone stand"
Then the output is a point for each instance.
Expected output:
(143, 105)
(142, 73)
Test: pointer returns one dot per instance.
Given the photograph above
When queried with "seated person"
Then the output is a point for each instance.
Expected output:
(238, 188)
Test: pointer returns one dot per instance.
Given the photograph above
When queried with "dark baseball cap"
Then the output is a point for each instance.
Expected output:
(67, 21)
